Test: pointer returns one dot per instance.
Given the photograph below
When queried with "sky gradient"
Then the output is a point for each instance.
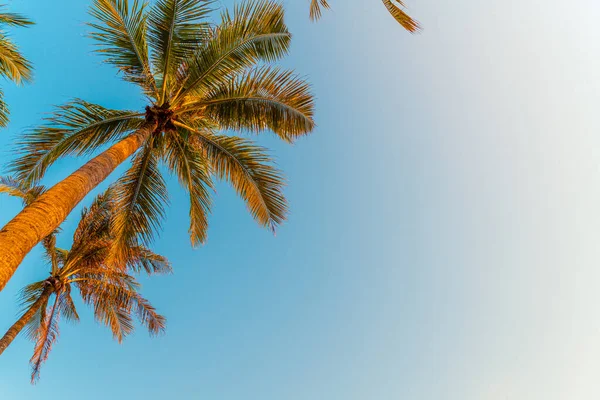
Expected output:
(442, 242)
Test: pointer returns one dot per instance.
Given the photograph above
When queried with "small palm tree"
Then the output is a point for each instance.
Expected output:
(394, 7)
(109, 289)
(201, 82)
(13, 65)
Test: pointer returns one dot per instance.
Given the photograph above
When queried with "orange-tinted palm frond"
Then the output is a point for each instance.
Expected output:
(395, 7)
(315, 8)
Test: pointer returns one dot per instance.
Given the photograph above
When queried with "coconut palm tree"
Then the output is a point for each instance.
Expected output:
(394, 7)
(13, 65)
(201, 82)
(109, 289)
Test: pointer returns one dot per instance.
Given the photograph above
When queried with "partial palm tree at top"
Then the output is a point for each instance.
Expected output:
(202, 81)
(109, 289)
(394, 7)
(13, 65)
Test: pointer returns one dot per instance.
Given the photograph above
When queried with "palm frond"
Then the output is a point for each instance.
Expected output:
(13, 19)
(66, 307)
(254, 32)
(121, 37)
(46, 336)
(395, 7)
(260, 99)
(175, 29)
(315, 8)
(115, 300)
(141, 258)
(77, 127)
(30, 294)
(191, 168)
(13, 65)
(94, 222)
(4, 111)
(248, 168)
(140, 198)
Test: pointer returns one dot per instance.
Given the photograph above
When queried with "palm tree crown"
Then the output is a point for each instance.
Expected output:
(394, 7)
(108, 288)
(13, 65)
(202, 81)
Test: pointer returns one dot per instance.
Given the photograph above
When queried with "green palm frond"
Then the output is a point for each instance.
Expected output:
(175, 29)
(249, 170)
(13, 65)
(121, 37)
(261, 99)
(315, 8)
(76, 128)
(187, 163)
(140, 198)
(395, 8)
(254, 32)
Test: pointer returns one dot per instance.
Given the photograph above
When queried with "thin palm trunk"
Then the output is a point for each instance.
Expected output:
(45, 214)
(18, 326)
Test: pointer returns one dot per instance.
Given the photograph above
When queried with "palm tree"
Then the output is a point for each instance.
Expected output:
(394, 7)
(110, 290)
(201, 82)
(13, 65)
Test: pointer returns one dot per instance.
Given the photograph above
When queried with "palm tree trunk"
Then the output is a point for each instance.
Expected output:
(45, 214)
(18, 326)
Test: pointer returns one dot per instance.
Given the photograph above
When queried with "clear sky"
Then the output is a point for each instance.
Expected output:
(443, 241)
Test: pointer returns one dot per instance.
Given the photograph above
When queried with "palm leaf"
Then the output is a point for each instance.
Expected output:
(13, 19)
(175, 29)
(76, 128)
(260, 99)
(248, 168)
(13, 65)
(315, 8)
(46, 336)
(189, 165)
(121, 37)
(254, 32)
(395, 8)
(142, 258)
(140, 197)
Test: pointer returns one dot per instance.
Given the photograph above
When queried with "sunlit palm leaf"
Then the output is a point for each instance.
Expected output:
(191, 168)
(121, 37)
(315, 8)
(175, 29)
(254, 31)
(140, 198)
(144, 259)
(249, 170)
(13, 65)
(395, 8)
(13, 19)
(46, 336)
(260, 99)
(77, 128)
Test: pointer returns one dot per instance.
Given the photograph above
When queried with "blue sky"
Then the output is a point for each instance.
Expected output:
(444, 227)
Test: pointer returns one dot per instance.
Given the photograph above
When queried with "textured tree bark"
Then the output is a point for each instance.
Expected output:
(18, 326)
(45, 214)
